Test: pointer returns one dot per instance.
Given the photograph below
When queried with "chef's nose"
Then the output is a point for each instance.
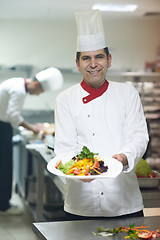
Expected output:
(93, 63)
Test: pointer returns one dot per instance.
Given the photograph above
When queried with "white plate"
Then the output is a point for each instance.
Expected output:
(114, 167)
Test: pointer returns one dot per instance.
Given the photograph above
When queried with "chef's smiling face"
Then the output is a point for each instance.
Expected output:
(93, 65)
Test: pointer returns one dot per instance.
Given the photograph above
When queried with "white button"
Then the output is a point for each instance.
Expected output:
(85, 100)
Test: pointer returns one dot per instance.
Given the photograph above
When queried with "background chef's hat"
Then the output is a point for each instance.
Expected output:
(50, 79)
(90, 31)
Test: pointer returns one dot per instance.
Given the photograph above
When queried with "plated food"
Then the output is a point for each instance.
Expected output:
(86, 165)
(132, 232)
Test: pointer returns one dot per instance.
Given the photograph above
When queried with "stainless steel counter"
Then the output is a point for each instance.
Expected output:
(79, 230)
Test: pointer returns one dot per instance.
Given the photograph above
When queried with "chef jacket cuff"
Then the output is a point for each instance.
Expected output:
(130, 165)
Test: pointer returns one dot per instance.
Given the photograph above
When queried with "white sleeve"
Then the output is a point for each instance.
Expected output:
(65, 130)
(15, 105)
(136, 129)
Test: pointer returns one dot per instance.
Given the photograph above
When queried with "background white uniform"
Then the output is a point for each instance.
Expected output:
(12, 97)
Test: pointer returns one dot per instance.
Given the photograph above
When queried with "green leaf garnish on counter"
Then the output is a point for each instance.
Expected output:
(106, 232)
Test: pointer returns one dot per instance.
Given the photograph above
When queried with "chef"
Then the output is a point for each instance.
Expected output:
(107, 117)
(12, 96)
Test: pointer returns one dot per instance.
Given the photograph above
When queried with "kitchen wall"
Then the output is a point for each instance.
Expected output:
(46, 43)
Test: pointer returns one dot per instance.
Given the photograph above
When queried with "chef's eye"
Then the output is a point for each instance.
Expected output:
(84, 58)
(100, 56)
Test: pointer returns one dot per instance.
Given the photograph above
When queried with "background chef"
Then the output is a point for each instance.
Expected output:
(12, 96)
(108, 118)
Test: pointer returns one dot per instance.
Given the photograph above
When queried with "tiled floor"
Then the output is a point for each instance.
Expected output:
(17, 227)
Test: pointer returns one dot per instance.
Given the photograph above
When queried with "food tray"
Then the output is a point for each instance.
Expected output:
(150, 182)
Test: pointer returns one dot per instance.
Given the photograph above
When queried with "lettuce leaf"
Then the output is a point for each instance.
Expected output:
(65, 167)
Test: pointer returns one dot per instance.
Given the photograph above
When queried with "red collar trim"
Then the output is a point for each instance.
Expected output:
(93, 93)
(25, 84)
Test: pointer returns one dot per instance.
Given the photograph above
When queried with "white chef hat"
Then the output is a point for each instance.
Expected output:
(50, 79)
(90, 31)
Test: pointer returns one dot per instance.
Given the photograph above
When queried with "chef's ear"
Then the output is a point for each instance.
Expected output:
(77, 63)
(109, 60)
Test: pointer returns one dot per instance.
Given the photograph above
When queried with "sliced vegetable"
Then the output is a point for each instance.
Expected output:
(155, 234)
(85, 153)
(87, 170)
(58, 163)
(132, 231)
(77, 171)
(65, 168)
(96, 163)
(158, 230)
(86, 163)
(145, 235)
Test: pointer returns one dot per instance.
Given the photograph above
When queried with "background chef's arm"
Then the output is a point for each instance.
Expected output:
(136, 132)
(65, 131)
(15, 104)
(29, 127)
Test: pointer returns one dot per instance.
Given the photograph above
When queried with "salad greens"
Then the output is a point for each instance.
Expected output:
(86, 153)
(65, 167)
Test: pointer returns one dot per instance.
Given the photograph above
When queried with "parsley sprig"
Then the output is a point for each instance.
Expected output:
(86, 153)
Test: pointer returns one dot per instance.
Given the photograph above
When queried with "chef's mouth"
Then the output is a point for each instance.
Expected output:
(94, 72)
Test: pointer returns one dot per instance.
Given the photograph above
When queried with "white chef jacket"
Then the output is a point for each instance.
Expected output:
(12, 96)
(110, 124)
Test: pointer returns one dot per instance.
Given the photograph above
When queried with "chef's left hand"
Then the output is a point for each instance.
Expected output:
(87, 180)
(121, 157)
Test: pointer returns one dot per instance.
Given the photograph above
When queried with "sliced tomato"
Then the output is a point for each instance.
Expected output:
(87, 170)
(155, 234)
(158, 230)
(77, 171)
(145, 235)
(58, 163)
(96, 163)
(70, 171)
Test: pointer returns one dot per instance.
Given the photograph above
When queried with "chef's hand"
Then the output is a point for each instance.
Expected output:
(30, 127)
(122, 158)
(87, 180)
(35, 130)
